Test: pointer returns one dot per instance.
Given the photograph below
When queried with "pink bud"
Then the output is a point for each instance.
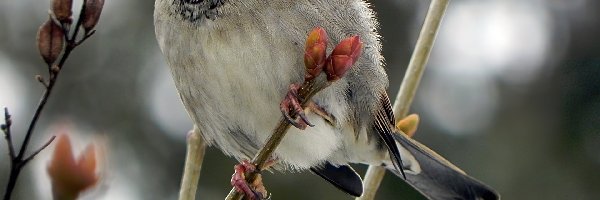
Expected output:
(70, 177)
(343, 57)
(315, 52)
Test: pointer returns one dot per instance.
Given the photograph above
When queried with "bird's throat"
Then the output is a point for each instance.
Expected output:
(198, 10)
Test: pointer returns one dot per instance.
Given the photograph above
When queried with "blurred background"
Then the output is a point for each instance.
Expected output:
(511, 95)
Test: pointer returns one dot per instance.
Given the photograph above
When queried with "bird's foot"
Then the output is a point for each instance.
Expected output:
(290, 106)
(254, 191)
(317, 109)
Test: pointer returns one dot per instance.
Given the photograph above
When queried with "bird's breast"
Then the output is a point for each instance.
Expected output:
(231, 80)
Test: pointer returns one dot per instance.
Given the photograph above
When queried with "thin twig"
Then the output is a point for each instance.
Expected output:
(85, 37)
(308, 90)
(409, 86)
(77, 26)
(193, 165)
(41, 79)
(36, 152)
(6, 129)
(19, 160)
(53, 78)
(36, 115)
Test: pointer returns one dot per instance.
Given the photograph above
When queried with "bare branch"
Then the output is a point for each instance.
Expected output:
(193, 165)
(85, 37)
(7, 135)
(18, 161)
(35, 153)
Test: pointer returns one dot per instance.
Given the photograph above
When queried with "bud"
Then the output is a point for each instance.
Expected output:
(409, 124)
(62, 10)
(50, 39)
(344, 55)
(70, 177)
(315, 52)
(91, 14)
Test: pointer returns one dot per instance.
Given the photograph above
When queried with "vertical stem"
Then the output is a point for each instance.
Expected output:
(193, 165)
(420, 56)
(36, 116)
(410, 83)
(44, 100)
(14, 173)
(18, 162)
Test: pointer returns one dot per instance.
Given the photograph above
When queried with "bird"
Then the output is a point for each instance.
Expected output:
(233, 61)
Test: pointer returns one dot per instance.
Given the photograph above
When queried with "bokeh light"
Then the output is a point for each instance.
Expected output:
(14, 91)
(164, 103)
(482, 44)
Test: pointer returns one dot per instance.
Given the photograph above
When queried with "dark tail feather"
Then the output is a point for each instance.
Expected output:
(439, 179)
(342, 177)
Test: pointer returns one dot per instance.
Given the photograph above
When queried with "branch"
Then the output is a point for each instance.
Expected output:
(6, 129)
(410, 83)
(52, 37)
(36, 152)
(19, 161)
(308, 90)
(193, 165)
(54, 71)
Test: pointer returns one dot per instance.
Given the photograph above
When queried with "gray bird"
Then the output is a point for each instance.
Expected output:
(233, 60)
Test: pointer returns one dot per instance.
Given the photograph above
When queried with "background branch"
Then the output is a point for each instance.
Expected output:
(193, 165)
(410, 83)
(7, 133)
(52, 40)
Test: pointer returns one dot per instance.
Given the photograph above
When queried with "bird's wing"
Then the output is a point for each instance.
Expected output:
(383, 124)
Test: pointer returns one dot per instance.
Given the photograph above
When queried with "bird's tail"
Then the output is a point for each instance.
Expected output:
(435, 177)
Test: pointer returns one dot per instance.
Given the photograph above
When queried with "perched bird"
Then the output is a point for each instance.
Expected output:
(233, 60)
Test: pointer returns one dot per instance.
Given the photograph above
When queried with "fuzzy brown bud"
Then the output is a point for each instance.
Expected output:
(62, 10)
(50, 41)
(92, 11)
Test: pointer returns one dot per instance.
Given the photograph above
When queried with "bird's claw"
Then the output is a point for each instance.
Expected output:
(238, 181)
(291, 106)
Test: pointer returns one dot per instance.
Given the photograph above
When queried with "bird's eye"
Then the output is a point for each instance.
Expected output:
(193, 1)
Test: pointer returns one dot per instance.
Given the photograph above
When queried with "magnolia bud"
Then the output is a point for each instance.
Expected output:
(315, 52)
(62, 10)
(344, 55)
(92, 11)
(70, 176)
(50, 39)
